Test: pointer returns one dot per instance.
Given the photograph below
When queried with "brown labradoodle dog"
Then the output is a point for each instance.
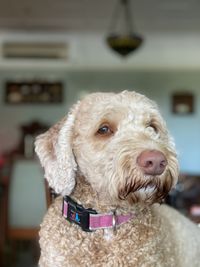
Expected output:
(114, 157)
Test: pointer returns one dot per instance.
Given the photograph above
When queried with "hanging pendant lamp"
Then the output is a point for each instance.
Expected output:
(126, 41)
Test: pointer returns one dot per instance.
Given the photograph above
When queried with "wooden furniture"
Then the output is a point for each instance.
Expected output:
(24, 201)
(24, 196)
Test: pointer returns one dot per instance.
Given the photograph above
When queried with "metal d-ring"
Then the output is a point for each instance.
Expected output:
(114, 221)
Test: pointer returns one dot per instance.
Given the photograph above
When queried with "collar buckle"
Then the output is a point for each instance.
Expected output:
(77, 214)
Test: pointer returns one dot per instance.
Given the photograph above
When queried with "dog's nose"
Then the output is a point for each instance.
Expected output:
(152, 162)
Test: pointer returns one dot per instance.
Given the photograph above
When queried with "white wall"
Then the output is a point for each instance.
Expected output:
(164, 64)
(158, 85)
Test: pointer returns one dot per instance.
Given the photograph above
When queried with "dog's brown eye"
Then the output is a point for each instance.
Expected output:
(104, 130)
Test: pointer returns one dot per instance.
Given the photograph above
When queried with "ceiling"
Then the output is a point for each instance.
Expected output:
(94, 15)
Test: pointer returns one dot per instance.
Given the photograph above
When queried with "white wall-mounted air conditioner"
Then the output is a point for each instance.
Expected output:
(34, 50)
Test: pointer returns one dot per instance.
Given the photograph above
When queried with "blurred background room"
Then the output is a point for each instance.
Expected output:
(52, 53)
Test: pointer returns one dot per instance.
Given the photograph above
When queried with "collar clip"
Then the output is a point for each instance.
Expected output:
(75, 213)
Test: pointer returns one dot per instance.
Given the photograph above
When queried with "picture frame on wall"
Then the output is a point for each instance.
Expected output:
(33, 92)
(183, 103)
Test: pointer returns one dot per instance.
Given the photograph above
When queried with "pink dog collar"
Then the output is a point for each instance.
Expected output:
(111, 220)
(88, 219)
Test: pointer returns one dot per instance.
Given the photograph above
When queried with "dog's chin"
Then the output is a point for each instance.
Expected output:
(146, 195)
(143, 196)
(146, 192)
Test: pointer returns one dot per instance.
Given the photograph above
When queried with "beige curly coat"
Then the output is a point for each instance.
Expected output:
(99, 169)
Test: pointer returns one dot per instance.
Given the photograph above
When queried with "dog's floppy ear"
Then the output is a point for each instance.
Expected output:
(54, 149)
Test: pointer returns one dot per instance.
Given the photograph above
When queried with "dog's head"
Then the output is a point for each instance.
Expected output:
(118, 142)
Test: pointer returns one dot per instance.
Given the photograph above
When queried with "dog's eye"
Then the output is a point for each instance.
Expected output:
(104, 130)
(153, 127)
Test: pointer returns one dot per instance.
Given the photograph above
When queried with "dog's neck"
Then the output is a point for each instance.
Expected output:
(89, 198)
(85, 195)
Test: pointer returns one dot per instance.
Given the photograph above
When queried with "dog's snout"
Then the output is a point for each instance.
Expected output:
(152, 162)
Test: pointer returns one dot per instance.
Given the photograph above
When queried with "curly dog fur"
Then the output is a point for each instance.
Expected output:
(94, 155)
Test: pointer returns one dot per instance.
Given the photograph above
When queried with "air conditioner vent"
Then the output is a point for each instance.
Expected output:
(35, 50)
